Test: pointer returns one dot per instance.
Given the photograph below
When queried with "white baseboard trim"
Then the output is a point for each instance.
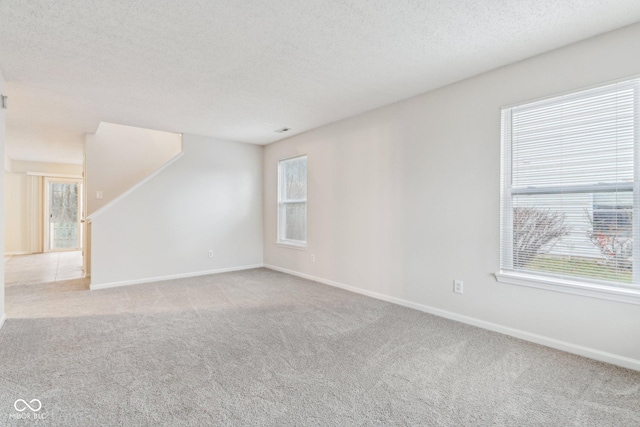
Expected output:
(17, 253)
(2, 319)
(591, 353)
(171, 277)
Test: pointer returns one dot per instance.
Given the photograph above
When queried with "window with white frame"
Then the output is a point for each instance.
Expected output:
(570, 209)
(292, 201)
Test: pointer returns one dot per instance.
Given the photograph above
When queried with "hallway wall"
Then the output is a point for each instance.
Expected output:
(24, 221)
(3, 118)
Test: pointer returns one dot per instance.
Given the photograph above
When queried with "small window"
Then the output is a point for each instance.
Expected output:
(292, 201)
(569, 191)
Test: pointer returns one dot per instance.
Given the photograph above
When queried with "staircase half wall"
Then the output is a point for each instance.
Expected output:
(209, 199)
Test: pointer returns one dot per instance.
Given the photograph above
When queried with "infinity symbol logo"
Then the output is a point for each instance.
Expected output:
(24, 405)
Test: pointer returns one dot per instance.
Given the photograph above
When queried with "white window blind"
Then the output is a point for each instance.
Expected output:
(292, 201)
(570, 187)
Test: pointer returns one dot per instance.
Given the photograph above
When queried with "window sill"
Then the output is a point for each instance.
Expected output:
(298, 246)
(602, 291)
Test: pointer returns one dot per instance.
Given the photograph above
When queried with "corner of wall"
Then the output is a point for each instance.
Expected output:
(381, 221)
(3, 117)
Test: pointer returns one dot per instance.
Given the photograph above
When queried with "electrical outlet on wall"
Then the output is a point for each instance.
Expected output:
(458, 286)
(313, 258)
(98, 195)
(210, 253)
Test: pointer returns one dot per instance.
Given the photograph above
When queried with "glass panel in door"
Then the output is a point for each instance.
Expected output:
(63, 215)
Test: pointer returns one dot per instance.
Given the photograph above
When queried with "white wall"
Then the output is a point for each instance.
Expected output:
(404, 199)
(19, 166)
(3, 117)
(118, 157)
(16, 222)
(23, 196)
(210, 198)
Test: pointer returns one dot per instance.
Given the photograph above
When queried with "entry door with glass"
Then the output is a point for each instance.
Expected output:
(62, 214)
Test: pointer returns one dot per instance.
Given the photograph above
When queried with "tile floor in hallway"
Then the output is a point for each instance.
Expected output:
(43, 285)
(43, 268)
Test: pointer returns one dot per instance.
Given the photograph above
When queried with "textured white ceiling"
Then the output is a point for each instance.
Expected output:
(239, 70)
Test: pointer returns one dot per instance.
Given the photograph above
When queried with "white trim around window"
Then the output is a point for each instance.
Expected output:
(601, 290)
(292, 203)
(570, 193)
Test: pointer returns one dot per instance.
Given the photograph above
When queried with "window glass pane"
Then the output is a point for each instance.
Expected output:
(295, 179)
(587, 140)
(583, 235)
(296, 224)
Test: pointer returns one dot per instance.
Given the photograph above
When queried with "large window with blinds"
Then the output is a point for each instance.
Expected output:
(570, 210)
(292, 201)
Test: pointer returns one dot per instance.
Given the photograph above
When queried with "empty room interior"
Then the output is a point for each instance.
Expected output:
(320, 213)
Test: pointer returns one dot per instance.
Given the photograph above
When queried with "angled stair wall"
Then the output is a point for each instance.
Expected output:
(118, 157)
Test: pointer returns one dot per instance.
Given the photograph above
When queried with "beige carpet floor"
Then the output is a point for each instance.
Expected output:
(262, 348)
